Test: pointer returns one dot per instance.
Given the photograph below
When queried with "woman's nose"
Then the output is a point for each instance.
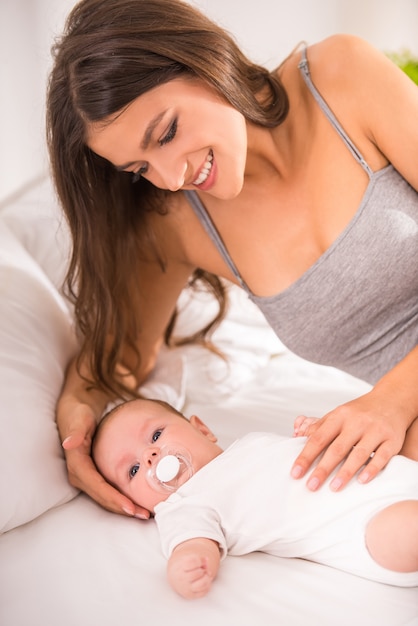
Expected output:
(175, 177)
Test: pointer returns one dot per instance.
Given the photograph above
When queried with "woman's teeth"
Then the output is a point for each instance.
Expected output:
(205, 171)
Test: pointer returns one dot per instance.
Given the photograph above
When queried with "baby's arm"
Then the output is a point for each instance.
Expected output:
(192, 567)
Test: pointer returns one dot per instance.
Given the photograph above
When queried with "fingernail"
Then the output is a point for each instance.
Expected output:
(128, 511)
(364, 477)
(296, 471)
(66, 440)
(336, 484)
(141, 516)
(313, 484)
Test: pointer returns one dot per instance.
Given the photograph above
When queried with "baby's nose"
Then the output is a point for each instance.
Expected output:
(151, 456)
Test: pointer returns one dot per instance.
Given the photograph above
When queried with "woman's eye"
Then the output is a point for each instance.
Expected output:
(134, 469)
(137, 175)
(169, 136)
(156, 435)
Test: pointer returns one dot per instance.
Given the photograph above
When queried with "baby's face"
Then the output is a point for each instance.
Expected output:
(131, 441)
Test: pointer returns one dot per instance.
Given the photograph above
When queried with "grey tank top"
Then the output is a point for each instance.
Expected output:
(356, 307)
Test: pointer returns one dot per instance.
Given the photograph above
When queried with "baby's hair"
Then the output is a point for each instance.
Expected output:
(114, 410)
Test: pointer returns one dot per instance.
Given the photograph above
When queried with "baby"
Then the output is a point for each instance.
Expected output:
(208, 502)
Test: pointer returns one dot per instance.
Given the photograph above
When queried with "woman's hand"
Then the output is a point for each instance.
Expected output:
(362, 434)
(77, 413)
(77, 436)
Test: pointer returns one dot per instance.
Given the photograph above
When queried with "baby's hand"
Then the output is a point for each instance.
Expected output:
(302, 424)
(190, 576)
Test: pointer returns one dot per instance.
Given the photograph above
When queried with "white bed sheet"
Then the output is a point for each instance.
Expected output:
(78, 565)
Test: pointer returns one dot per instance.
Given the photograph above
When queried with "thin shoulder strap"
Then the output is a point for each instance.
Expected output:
(206, 221)
(304, 67)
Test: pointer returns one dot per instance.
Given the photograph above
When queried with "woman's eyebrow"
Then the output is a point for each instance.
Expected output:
(145, 140)
(150, 129)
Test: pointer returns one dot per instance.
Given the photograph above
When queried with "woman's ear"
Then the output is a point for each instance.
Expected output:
(197, 423)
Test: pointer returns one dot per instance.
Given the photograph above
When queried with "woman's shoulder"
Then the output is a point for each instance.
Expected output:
(342, 62)
(340, 44)
(342, 68)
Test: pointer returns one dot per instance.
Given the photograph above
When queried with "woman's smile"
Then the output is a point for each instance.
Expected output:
(202, 178)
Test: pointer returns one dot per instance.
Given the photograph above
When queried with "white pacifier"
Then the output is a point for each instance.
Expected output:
(167, 468)
(172, 469)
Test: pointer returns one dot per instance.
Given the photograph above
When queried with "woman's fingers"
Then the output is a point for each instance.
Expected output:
(76, 428)
(73, 440)
(76, 424)
(83, 475)
(323, 436)
(355, 458)
(112, 500)
(378, 461)
(352, 436)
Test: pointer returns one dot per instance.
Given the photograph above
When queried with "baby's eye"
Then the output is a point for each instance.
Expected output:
(156, 435)
(134, 469)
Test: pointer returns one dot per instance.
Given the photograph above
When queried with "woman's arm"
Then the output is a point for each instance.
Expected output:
(378, 106)
(192, 567)
(410, 445)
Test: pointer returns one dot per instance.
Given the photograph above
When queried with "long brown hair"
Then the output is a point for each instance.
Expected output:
(111, 52)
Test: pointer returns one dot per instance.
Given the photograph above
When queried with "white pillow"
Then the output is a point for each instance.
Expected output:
(244, 338)
(167, 381)
(37, 222)
(36, 342)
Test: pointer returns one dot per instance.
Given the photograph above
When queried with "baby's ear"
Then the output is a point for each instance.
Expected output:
(197, 423)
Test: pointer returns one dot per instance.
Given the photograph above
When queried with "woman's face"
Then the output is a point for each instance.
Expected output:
(180, 135)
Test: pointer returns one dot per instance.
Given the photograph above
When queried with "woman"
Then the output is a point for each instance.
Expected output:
(176, 156)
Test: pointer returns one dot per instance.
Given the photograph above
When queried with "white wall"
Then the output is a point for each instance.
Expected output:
(27, 28)
(266, 29)
(269, 29)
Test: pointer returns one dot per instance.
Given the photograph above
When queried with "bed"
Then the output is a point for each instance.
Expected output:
(63, 559)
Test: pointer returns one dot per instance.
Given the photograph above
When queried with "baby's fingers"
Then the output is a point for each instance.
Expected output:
(304, 426)
(201, 586)
(190, 576)
(202, 579)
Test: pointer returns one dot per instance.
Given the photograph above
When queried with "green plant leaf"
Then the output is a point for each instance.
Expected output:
(407, 62)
